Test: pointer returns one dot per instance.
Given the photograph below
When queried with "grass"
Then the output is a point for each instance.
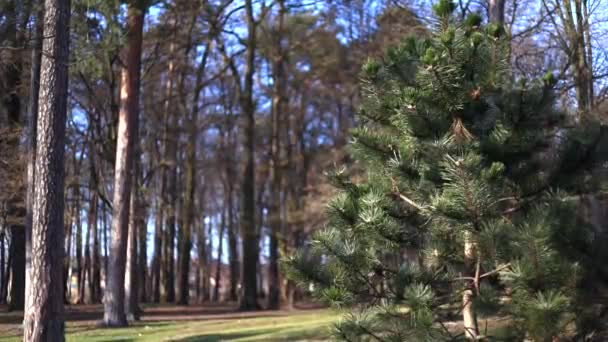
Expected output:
(309, 325)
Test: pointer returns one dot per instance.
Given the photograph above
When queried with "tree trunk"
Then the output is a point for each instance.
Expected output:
(278, 112)
(114, 314)
(31, 141)
(169, 187)
(143, 254)
(78, 243)
(201, 240)
(250, 234)
(67, 264)
(95, 274)
(157, 258)
(218, 269)
(496, 12)
(468, 310)
(131, 276)
(233, 252)
(17, 275)
(43, 318)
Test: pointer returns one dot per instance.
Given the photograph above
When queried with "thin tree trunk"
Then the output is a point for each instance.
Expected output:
(233, 257)
(143, 254)
(67, 262)
(218, 269)
(43, 318)
(114, 314)
(157, 258)
(468, 295)
(78, 243)
(95, 274)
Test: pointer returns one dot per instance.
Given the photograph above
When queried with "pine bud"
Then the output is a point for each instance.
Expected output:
(444, 8)
(371, 68)
(447, 37)
(473, 21)
(549, 79)
(429, 56)
(476, 38)
(495, 30)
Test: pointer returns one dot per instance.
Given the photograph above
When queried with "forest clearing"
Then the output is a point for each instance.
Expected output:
(292, 170)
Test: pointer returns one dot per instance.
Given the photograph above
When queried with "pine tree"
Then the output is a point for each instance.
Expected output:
(459, 202)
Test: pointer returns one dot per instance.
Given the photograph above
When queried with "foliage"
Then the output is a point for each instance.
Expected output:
(461, 194)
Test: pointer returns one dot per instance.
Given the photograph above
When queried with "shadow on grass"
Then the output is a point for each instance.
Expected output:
(214, 337)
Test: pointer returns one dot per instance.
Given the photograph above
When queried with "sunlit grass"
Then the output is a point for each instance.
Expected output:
(298, 326)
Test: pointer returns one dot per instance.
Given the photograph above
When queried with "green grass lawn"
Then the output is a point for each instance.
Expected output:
(310, 325)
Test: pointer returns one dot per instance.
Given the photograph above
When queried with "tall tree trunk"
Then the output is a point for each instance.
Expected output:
(131, 277)
(78, 236)
(86, 271)
(31, 140)
(169, 187)
(233, 251)
(220, 249)
(95, 274)
(278, 111)
(67, 262)
(157, 258)
(202, 264)
(250, 234)
(114, 314)
(43, 319)
(11, 103)
(142, 262)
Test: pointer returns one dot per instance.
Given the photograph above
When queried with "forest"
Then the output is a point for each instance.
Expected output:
(282, 170)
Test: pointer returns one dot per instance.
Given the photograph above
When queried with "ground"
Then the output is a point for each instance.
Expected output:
(203, 323)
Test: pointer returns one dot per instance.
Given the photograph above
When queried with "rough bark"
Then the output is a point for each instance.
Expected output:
(43, 318)
(31, 139)
(496, 11)
(250, 234)
(278, 111)
(233, 257)
(131, 285)
(114, 314)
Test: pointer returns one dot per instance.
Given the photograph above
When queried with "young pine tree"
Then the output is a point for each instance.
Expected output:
(457, 216)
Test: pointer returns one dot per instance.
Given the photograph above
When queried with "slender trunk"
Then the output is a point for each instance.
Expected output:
(106, 253)
(67, 264)
(17, 275)
(143, 254)
(43, 318)
(169, 187)
(202, 262)
(114, 314)
(157, 258)
(469, 315)
(86, 271)
(233, 257)
(94, 280)
(3, 280)
(218, 269)
(78, 235)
